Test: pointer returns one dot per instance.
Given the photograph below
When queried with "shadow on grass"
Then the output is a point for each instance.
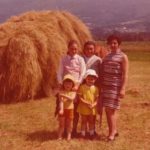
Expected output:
(42, 136)
(101, 137)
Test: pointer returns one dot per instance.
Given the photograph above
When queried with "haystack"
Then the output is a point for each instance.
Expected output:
(31, 46)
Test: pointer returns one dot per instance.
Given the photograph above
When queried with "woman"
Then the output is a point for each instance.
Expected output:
(114, 78)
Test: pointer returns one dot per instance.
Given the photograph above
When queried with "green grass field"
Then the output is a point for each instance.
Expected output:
(32, 125)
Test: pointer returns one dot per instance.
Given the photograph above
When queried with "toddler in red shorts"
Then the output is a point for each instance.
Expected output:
(66, 105)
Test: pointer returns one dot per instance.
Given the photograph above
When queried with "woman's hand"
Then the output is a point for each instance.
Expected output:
(61, 112)
(122, 93)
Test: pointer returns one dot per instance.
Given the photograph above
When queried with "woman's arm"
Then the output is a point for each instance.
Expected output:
(125, 66)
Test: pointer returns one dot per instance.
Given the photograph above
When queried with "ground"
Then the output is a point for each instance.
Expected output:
(32, 126)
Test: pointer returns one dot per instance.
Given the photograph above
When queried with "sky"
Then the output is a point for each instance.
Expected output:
(81, 8)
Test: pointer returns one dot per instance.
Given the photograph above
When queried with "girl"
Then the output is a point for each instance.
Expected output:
(88, 94)
(66, 98)
(72, 64)
(114, 78)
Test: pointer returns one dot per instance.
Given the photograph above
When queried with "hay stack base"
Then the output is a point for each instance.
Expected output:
(31, 46)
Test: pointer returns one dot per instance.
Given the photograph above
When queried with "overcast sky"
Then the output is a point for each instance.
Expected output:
(14, 7)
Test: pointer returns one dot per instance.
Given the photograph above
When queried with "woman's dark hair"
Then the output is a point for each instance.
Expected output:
(113, 37)
(89, 43)
(71, 42)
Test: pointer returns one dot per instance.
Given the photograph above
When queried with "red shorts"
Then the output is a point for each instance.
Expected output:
(68, 113)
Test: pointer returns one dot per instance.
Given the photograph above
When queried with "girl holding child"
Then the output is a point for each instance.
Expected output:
(74, 65)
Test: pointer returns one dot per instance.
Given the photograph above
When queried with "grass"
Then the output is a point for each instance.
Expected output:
(136, 46)
(138, 56)
(32, 125)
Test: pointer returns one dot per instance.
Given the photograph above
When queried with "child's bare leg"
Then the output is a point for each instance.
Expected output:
(61, 126)
(75, 119)
(112, 122)
(69, 123)
(94, 119)
(91, 124)
(61, 106)
(75, 122)
(83, 124)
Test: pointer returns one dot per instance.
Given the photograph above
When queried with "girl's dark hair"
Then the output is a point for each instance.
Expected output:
(113, 37)
(89, 43)
(68, 81)
(71, 42)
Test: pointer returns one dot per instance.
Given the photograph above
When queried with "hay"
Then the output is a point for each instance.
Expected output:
(31, 46)
(101, 51)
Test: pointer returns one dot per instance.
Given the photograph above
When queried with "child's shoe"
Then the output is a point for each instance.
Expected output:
(82, 136)
(74, 134)
(91, 134)
(59, 138)
(95, 134)
(91, 137)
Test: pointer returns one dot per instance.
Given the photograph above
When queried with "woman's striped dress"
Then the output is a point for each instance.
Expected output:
(112, 79)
